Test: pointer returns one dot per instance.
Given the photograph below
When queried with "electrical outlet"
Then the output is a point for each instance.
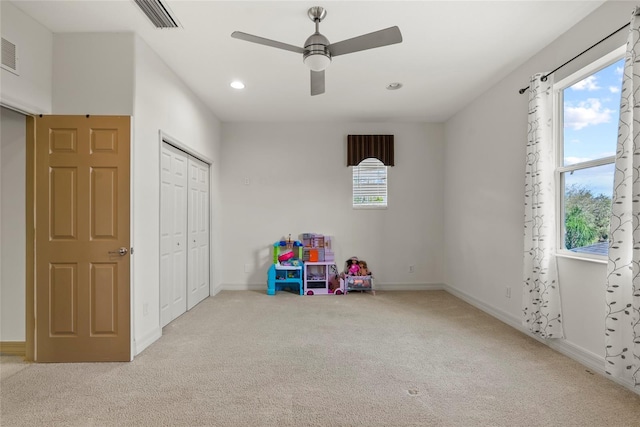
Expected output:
(247, 181)
(508, 292)
(411, 267)
(247, 268)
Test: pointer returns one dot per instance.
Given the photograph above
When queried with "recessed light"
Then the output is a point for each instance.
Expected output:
(237, 84)
(394, 86)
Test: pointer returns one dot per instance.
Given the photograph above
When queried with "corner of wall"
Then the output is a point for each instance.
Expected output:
(146, 340)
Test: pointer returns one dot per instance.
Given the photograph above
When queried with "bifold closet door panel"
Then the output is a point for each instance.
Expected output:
(198, 226)
(173, 233)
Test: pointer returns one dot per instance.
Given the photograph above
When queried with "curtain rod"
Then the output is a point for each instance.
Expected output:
(544, 78)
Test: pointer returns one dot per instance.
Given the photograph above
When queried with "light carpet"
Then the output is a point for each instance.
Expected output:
(243, 358)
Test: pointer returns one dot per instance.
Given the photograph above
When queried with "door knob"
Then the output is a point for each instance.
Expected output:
(122, 252)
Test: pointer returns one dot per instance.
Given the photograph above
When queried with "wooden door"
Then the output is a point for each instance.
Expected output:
(173, 234)
(198, 224)
(82, 239)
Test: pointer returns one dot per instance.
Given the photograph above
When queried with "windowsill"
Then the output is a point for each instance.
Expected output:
(571, 255)
(369, 207)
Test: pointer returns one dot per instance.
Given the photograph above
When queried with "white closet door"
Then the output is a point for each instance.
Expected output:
(173, 234)
(198, 224)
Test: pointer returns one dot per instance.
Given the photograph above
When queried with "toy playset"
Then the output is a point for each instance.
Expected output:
(308, 267)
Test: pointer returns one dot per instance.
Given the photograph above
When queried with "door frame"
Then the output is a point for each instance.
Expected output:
(30, 194)
(164, 137)
(30, 262)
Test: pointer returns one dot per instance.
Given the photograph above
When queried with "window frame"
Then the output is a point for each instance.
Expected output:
(558, 132)
(353, 188)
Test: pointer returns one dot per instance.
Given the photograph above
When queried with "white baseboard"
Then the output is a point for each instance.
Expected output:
(146, 340)
(378, 286)
(591, 360)
(408, 286)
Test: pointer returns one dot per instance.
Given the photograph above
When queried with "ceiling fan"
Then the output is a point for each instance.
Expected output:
(317, 51)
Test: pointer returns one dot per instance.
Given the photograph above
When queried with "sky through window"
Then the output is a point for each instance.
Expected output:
(591, 112)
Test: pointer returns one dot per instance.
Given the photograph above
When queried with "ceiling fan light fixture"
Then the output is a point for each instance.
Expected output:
(317, 61)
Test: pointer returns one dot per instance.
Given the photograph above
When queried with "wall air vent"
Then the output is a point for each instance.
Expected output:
(158, 13)
(9, 56)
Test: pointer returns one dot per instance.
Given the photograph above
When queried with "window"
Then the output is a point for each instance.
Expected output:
(588, 110)
(370, 184)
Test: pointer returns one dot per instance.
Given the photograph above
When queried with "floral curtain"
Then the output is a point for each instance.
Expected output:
(541, 294)
(622, 321)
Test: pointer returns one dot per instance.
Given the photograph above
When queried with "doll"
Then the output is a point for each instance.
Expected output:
(363, 270)
(354, 268)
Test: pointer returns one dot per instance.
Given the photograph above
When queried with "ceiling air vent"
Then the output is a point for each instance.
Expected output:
(9, 56)
(158, 13)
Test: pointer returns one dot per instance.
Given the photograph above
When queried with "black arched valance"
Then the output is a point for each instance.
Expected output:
(360, 147)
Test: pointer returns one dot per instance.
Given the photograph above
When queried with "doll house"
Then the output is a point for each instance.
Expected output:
(317, 248)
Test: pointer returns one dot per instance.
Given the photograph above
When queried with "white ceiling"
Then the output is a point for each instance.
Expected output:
(451, 51)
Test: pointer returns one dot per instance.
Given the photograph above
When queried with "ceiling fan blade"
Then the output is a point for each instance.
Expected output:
(317, 82)
(380, 38)
(267, 42)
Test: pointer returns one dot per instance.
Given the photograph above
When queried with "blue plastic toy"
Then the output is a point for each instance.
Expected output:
(287, 269)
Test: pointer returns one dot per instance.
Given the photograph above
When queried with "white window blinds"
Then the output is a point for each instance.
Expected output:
(370, 184)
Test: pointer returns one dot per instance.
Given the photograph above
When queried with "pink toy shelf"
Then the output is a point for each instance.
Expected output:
(321, 278)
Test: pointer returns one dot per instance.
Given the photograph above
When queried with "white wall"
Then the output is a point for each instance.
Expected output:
(12, 226)
(484, 193)
(93, 73)
(31, 90)
(164, 103)
(298, 182)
